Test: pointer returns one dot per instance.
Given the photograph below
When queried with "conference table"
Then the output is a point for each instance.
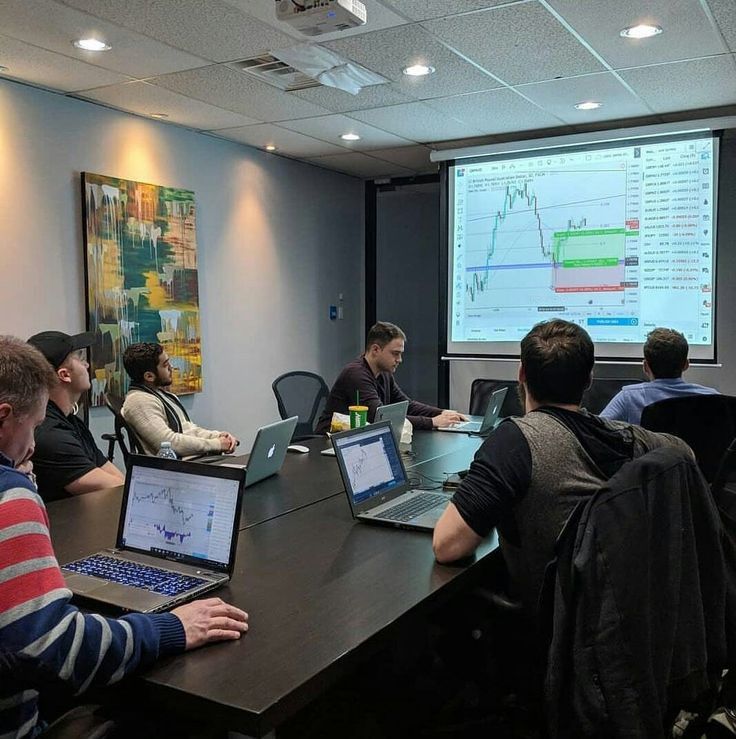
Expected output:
(323, 591)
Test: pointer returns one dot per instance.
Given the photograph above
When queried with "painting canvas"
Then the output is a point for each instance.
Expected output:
(142, 285)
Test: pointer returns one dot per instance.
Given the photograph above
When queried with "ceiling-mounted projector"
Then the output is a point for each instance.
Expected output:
(317, 17)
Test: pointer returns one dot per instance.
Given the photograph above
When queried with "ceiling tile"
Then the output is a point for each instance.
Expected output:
(412, 157)
(724, 11)
(232, 90)
(517, 43)
(496, 111)
(688, 32)
(375, 96)
(52, 26)
(144, 99)
(703, 83)
(420, 10)
(286, 142)
(213, 29)
(361, 165)
(559, 98)
(48, 69)
(388, 52)
(329, 128)
(415, 121)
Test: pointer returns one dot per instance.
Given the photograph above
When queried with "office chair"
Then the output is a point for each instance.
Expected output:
(124, 435)
(480, 393)
(302, 394)
(602, 391)
(706, 422)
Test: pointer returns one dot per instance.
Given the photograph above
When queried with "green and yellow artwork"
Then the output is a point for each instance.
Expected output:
(140, 245)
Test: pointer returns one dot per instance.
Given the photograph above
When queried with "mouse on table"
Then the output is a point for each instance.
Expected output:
(297, 448)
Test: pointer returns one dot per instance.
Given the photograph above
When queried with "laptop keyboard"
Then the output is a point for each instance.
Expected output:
(125, 572)
(413, 507)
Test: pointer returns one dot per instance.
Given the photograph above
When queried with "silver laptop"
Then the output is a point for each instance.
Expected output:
(269, 450)
(482, 425)
(376, 483)
(394, 412)
(176, 540)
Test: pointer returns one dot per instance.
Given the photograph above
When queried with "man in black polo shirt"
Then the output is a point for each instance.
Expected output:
(66, 459)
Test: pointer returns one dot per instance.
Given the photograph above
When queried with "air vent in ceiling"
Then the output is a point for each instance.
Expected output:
(271, 70)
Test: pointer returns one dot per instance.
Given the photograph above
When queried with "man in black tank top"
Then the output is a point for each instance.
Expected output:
(531, 471)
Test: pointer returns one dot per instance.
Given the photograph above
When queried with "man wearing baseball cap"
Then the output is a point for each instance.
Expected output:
(66, 460)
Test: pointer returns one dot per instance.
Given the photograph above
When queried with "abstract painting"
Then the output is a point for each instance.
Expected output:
(140, 248)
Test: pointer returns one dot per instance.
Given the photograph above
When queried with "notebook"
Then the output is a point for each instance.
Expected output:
(376, 483)
(176, 540)
(482, 425)
(267, 453)
(394, 412)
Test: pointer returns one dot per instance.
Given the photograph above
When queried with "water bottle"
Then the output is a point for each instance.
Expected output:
(166, 451)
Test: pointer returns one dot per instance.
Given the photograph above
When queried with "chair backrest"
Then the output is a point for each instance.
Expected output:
(480, 393)
(706, 422)
(602, 391)
(726, 472)
(125, 436)
(302, 394)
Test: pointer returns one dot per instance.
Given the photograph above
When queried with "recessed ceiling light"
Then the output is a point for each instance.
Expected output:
(418, 70)
(270, 147)
(350, 137)
(92, 44)
(159, 115)
(588, 105)
(643, 30)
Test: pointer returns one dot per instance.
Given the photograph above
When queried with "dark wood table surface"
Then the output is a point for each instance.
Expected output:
(322, 591)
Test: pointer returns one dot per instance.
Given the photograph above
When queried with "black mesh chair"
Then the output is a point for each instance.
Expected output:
(301, 394)
(124, 435)
(706, 422)
(602, 391)
(480, 393)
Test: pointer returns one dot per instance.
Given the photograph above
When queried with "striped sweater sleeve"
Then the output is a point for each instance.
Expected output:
(39, 626)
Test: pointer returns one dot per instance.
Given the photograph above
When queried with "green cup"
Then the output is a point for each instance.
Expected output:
(358, 416)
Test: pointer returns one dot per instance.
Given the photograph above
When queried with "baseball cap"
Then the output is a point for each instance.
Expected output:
(56, 346)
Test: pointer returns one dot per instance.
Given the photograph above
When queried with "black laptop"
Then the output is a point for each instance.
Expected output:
(177, 535)
(376, 482)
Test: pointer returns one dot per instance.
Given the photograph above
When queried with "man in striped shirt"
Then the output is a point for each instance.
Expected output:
(39, 630)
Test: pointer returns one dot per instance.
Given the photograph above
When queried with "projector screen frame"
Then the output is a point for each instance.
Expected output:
(613, 138)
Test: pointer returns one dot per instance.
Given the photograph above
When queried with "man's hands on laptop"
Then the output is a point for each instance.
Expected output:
(447, 418)
(211, 620)
(228, 442)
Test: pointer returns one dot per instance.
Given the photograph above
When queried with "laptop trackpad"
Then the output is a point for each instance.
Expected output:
(84, 584)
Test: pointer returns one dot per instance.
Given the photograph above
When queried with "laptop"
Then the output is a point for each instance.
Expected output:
(267, 453)
(176, 540)
(394, 412)
(482, 425)
(376, 483)
(269, 450)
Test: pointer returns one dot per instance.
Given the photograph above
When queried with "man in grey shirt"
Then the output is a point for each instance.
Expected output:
(531, 472)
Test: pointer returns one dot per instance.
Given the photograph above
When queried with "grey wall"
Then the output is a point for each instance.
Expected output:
(407, 259)
(462, 373)
(278, 241)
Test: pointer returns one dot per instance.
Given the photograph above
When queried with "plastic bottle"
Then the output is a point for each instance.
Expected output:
(166, 451)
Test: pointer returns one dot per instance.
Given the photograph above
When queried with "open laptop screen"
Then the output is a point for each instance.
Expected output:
(371, 462)
(183, 515)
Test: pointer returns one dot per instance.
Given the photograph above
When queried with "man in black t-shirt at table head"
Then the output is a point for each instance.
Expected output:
(66, 460)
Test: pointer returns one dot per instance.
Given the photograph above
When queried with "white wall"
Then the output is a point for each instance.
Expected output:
(278, 241)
